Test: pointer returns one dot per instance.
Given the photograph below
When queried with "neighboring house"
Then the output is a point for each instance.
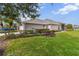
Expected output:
(42, 24)
(76, 27)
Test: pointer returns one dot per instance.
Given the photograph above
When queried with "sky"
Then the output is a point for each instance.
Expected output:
(62, 12)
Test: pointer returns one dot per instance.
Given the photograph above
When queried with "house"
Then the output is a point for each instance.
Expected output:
(76, 27)
(42, 24)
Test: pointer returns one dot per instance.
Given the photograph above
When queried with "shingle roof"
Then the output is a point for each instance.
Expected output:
(46, 21)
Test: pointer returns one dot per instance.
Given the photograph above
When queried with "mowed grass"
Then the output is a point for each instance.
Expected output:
(63, 44)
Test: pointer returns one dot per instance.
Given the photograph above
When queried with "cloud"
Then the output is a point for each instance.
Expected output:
(68, 8)
(77, 4)
(42, 7)
(65, 3)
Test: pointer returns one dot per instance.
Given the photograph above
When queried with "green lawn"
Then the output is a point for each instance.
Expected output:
(64, 43)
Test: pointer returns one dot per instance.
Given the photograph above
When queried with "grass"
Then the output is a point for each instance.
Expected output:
(63, 44)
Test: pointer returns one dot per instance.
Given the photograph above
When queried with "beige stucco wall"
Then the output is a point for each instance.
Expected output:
(54, 27)
(35, 26)
(22, 27)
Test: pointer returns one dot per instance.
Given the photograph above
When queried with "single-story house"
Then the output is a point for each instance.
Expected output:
(76, 27)
(42, 24)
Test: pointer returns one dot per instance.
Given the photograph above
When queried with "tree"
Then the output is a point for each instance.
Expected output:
(12, 11)
(15, 9)
(69, 27)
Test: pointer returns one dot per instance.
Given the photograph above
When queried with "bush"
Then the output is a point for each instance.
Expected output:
(55, 30)
(10, 36)
(41, 30)
(69, 29)
(1, 31)
(26, 35)
(13, 30)
(28, 31)
(46, 32)
(49, 33)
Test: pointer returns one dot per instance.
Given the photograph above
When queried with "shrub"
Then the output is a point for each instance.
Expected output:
(46, 32)
(55, 30)
(69, 29)
(10, 36)
(26, 35)
(13, 31)
(1, 31)
(41, 30)
(49, 33)
(28, 31)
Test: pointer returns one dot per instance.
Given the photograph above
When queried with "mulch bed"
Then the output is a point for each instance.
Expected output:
(3, 44)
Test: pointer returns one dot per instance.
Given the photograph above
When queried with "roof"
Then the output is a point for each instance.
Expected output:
(46, 21)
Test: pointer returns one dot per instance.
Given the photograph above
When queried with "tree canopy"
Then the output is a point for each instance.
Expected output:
(12, 11)
(69, 27)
